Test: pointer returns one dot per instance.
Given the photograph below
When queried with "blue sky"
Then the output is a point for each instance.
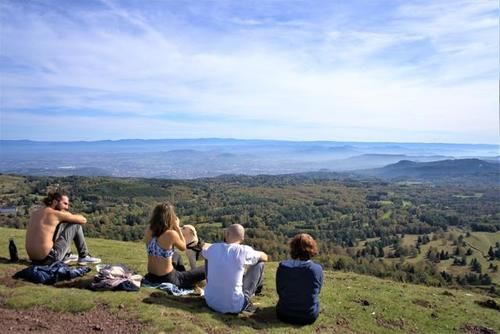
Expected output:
(402, 71)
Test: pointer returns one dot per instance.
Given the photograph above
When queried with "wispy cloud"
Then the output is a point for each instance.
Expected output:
(398, 71)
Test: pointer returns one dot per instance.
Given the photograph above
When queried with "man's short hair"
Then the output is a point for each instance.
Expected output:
(51, 197)
(303, 247)
(235, 232)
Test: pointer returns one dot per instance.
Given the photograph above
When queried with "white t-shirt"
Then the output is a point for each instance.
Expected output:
(226, 266)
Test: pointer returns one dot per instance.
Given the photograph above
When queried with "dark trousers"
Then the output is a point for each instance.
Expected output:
(177, 262)
(183, 279)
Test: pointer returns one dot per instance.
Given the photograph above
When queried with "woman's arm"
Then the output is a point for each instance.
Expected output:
(178, 239)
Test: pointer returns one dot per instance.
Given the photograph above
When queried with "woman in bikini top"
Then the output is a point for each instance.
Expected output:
(162, 235)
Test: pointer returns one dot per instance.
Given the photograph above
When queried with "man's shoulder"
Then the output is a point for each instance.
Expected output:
(40, 213)
(53, 214)
(43, 216)
(247, 248)
(239, 248)
(213, 248)
(39, 208)
(216, 245)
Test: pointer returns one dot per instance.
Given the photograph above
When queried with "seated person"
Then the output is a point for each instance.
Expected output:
(161, 236)
(298, 283)
(229, 289)
(52, 229)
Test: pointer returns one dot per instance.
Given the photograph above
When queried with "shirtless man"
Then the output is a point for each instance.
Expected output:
(51, 230)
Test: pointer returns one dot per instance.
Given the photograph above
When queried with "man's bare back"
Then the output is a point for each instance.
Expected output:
(42, 226)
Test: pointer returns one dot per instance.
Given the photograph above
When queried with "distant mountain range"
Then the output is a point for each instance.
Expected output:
(460, 170)
(194, 158)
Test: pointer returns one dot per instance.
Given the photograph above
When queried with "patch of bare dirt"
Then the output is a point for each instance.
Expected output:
(489, 303)
(423, 303)
(476, 329)
(391, 323)
(448, 293)
(341, 326)
(334, 329)
(363, 302)
(39, 320)
(341, 321)
(7, 280)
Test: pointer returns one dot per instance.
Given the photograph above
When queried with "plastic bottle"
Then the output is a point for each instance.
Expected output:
(14, 257)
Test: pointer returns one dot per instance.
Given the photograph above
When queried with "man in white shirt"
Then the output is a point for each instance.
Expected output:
(229, 288)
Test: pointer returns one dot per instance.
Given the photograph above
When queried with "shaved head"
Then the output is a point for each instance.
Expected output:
(235, 233)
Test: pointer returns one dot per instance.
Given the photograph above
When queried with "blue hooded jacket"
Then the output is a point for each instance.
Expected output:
(50, 274)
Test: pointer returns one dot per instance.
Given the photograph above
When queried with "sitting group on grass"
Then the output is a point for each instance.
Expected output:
(233, 272)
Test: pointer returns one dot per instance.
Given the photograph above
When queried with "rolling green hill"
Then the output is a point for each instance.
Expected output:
(350, 303)
(444, 171)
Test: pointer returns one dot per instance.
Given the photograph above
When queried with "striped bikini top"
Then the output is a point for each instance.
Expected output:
(155, 249)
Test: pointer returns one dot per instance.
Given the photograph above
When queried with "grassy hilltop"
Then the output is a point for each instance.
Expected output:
(350, 303)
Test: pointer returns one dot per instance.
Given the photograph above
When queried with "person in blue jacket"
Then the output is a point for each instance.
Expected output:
(298, 283)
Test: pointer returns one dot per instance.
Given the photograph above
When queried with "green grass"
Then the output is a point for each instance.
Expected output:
(10, 186)
(480, 242)
(483, 240)
(350, 303)
(406, 204)
(387, 215)
(409, 240)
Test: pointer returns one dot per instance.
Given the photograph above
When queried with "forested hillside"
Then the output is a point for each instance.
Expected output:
(406, 231)
(461, 171)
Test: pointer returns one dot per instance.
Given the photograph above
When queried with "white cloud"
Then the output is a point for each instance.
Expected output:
(429, 71)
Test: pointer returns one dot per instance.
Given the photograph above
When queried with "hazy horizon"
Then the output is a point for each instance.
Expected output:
(381, 71)
(251, 139)
(193, 158)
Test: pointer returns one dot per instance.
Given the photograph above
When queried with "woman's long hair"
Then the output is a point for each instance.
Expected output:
(162, 219)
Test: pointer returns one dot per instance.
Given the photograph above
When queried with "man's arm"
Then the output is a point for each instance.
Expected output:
(254, 256)
(66, 216)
